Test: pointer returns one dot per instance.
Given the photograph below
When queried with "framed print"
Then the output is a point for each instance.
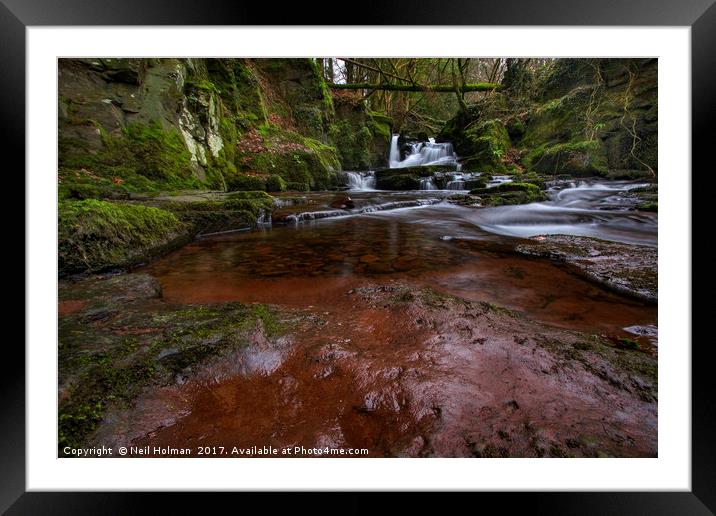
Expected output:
(398, 254)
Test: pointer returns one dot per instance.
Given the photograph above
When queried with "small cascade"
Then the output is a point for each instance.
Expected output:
(427, 183)
(364, 181)
(498, 180)
(422, 153)
(456, 183)
(371, 208)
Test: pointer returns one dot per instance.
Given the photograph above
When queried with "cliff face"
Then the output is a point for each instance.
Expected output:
(580, 117)
(144, 125)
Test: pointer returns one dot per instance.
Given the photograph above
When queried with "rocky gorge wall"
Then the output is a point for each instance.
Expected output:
(582, 117)
(148, 125)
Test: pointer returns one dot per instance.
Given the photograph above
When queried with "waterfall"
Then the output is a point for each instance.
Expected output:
(361, 180)
(394, 157)
(422, 153)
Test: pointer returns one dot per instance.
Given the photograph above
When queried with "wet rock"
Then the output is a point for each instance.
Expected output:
(625, 268)
(343, 203)
(97, 293)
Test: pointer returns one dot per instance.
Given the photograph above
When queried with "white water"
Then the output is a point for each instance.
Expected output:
(593, 209)
(422, 153)
(427, 183)
(361, 181)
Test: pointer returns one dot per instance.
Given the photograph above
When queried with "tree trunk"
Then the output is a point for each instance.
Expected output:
(437, 88)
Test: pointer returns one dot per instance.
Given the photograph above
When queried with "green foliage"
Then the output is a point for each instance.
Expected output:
(97, 235)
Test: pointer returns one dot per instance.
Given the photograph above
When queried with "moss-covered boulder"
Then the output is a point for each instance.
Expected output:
(240, 210)
(510, 193)
(580, 159)
(408, 178)
(485, 145)
(98, 235)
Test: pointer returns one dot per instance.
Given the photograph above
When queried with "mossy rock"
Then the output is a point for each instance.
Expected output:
(474, 184)
(98, 235)
(510, 194)
(143, 158)
(243, 182)
(420, 171)
(648, 206)
(353, 144)
(485, 145)
(293, 157)
(577, 159)
(275, 183)
(240, 210)
(398, 182)
(507, 187)
(297, 187)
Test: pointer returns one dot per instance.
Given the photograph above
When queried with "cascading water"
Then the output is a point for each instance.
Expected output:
(364, 181)
(457, 183)
(427, 183)
(422, 153)
(593, 209)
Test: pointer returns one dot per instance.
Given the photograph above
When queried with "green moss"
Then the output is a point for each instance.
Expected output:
(353, 145)
(579, 158)
(239, 210)
(202, 84)
(275, 183)
(97, 235)
(627, 343)
(497, 309)
(297, 187)
(510, 194)
(245, 182)
(145, 158)
(648, 206)
(293, 157)
(486, 144)
(507, 187)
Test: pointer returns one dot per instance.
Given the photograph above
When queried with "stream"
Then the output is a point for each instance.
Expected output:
(370, 375)
(419, 237)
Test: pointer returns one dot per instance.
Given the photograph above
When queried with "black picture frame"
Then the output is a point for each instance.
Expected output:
(700, 15)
